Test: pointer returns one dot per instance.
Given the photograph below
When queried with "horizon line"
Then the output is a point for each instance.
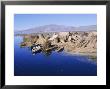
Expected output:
(54, 24)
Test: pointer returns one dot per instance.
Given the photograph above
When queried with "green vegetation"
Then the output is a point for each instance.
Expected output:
(93, 57)
(26, 39)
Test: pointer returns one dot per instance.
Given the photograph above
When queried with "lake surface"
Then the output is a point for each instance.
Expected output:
(56, 64)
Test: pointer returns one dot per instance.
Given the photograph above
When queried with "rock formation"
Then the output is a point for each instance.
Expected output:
(73, 42)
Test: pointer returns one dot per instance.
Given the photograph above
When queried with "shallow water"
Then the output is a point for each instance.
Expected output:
(56, 64)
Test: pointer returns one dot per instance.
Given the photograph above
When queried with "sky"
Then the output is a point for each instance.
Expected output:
(26, 21)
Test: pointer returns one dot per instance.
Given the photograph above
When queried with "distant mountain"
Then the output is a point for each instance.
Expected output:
(57, 28)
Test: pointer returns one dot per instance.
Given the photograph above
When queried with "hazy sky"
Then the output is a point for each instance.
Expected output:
(26, 21)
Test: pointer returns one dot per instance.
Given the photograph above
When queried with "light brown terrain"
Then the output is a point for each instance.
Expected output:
(84, 43)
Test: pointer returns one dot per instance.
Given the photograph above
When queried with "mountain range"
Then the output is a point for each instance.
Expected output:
(56, 28)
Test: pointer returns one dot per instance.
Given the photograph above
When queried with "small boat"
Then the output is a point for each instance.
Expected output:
(35, 48)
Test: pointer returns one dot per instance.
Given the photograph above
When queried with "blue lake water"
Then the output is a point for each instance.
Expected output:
(56, 64)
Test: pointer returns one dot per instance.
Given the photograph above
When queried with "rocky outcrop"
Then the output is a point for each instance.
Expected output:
(73, 42)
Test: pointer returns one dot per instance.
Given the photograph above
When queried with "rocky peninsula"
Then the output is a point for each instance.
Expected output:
(78, 42)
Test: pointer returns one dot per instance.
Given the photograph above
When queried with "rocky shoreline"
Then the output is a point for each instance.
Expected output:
(84, 43)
